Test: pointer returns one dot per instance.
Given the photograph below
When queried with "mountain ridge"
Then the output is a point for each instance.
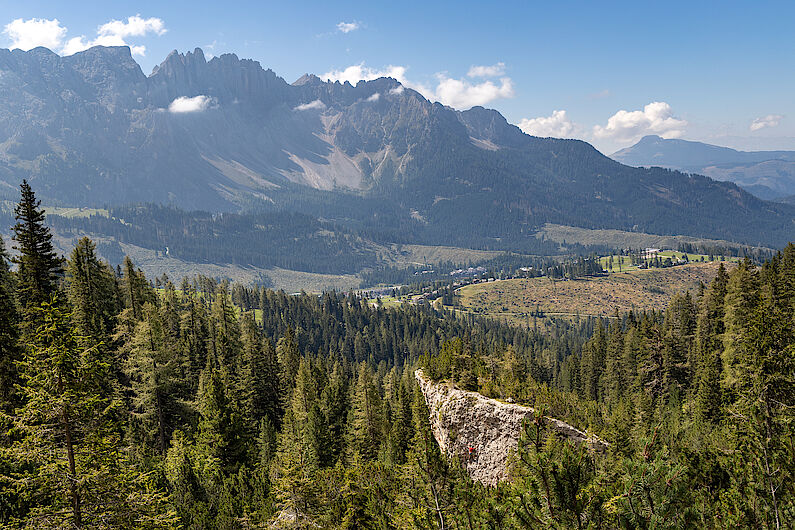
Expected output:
(92, 128)
(767, 174)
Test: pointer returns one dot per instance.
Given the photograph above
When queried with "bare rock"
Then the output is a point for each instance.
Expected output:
(483, 432)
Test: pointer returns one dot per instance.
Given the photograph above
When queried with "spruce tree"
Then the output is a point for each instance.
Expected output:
(91, 290)
(9, 335)
(260, 381)
(367, 416)
(154, 371)
(70, 448)
(38, 266)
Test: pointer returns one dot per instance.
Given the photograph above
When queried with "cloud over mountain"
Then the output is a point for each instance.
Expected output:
(28, 34)
(655, 118)
(183, 104)
(557, 125)
(457, 93)
(771, 120)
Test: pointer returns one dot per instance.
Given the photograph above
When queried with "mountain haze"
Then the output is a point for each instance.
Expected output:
(767, 174)
(92, 129)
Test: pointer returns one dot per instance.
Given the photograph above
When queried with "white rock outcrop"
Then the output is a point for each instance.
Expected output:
(482, 432)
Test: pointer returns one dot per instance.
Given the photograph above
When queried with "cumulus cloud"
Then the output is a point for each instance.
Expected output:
(397, 90)
(347, 27)
(28, 34)
(374, 97)
(359, 72)
(557, 125)
(312, 105)
(184, 104)
(655, 118)
(457, 93)
(771, 120)
(461, 94)
(116, 33)
(495, 70)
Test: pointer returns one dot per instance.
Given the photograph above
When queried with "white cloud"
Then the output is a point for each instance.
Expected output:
(360, 72)
(557, 125)
(495, 70)
(374, 97)
(347, 27)
(655, 118)
(461, 94)
(185, 104)
(28, 34)
(116, 33)
(397, 90)
(457, 93)
(312, 105)
(771, 120)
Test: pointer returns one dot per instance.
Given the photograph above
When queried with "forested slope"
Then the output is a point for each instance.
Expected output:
(127, 407)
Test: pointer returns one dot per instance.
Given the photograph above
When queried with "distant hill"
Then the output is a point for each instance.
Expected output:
(376, 159)
(766, 174)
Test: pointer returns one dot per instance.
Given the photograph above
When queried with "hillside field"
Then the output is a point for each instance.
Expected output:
(516, 300)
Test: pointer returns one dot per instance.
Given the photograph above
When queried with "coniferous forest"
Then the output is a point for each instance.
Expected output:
(132, 402)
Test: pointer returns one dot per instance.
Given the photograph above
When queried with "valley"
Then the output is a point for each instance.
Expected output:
(235, 297)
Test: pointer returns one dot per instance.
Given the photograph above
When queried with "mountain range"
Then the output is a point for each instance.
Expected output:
(375, 158)
(766, 174)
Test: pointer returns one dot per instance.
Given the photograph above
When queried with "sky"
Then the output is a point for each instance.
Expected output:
(606, 72)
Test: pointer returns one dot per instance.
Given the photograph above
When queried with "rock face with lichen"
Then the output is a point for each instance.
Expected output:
(482, 432)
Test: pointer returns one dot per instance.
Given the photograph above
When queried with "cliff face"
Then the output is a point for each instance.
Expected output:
(461, 420)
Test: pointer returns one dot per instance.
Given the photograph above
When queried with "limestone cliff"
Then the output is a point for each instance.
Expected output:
(461, 420)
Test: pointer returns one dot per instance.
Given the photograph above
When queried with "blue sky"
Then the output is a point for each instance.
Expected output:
(722, 72)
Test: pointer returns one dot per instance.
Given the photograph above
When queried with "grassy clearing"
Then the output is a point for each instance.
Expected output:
(389, 301)
(516, 300)
(624, 261)
(622, 239)
(75, 212)
(422, 254)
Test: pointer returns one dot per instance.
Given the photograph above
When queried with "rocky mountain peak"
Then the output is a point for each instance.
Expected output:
(308, 79)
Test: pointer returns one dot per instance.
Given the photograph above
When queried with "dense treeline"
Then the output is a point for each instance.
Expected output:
(216, 406)
(506, 265)
(698, 404)
(755, 254)
(289, 240)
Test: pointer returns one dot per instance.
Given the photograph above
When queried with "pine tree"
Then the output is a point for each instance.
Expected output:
(708, 344)
(91, 290)
(222, 436)
(155, 370)
(71, 445)
(226, 338)
(136, 289)
(289, 358)
(334, 404)
(293, 474)
(9, 336)
(261, 389)
(367, 419)
(39, 267)
(742, 298)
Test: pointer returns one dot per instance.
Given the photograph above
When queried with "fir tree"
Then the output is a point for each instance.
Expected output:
(9, 335)
(91, 290)
(38, 266)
